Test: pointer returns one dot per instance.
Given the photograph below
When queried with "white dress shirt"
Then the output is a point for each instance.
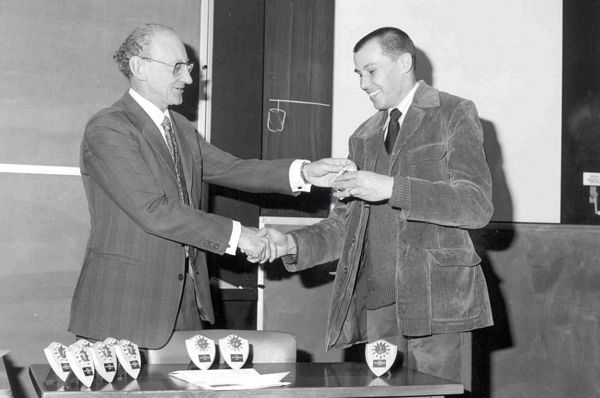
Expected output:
(402, 107)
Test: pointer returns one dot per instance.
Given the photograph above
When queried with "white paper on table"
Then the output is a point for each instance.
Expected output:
(230, 379)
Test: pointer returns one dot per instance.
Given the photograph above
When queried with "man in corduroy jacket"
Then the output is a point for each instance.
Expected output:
(407, 269)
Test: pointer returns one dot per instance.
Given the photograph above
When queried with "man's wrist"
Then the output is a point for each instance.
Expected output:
(292, 246)
(302, 175)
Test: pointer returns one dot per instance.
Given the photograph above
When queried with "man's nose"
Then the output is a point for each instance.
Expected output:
(186, 76)
(364, 82)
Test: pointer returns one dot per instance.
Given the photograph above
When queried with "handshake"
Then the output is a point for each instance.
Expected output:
(267, 244)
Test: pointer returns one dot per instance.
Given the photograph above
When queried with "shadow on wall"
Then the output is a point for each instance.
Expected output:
(493, 238)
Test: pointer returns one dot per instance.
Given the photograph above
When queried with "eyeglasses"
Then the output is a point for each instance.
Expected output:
(178, 68)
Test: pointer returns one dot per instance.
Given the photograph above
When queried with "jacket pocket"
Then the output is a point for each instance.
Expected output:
(427, 153)
(453, 278)
(115, 258)
(453, 257)
(428, 162)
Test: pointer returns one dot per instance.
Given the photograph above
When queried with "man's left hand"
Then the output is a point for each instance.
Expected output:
(323, 172)
(365, 185)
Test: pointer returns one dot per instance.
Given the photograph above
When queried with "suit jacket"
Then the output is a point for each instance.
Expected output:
(133, 272)
(442, 187)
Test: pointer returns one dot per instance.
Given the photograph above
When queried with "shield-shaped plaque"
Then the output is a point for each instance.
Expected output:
(105, 360)
(380, 356)
(129, 357)
(80, 359)
(234, 350)
(56, 354)
(201, 350)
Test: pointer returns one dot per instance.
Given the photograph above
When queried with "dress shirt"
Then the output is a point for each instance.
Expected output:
(402, 107)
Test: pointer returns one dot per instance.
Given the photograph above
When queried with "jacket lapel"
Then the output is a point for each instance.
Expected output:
(149, 131)
(373, 140)
(425, 97)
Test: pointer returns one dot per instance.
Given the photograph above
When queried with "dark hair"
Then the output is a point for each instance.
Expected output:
(135, 43)
(393, 41)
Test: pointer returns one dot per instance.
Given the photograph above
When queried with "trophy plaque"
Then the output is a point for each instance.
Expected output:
(80, 360)
(105, 360)
(380, 356)
(201, 351)
(56, 354)
(234, 350)
(129, 357)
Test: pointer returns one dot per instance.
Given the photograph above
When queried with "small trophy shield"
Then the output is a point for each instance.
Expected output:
(129, 356)
(201, 350)
(105, 360)
(56, 354)
(380, 356)
(80, 360)
(234, 350)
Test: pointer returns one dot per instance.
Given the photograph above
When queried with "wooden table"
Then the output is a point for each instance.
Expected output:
(341, 379)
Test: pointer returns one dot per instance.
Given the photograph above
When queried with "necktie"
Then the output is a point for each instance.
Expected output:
(181, 185)
(392, 131)
(174, 150)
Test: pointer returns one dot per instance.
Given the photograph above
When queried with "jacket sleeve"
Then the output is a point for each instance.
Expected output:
(464, 198)
(322, 242)
(250, 175)
(115, 160)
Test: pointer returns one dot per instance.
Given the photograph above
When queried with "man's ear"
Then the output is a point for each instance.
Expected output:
(138, 67)
(406, 62)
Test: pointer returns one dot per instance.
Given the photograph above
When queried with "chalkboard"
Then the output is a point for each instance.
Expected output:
(56, 70)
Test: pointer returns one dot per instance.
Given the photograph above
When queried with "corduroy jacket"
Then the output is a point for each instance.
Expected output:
(442, 188)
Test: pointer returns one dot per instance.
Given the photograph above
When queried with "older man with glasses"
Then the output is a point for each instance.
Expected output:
(144, 272)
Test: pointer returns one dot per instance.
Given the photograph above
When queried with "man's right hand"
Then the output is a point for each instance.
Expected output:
(280, 244)
(256, 248)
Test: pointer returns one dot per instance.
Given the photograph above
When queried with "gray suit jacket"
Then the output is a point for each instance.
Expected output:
(132, 276)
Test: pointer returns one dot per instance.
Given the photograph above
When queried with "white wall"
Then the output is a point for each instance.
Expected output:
(505, 55)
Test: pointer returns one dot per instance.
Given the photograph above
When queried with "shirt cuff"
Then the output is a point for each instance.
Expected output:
(236, 232)
(297, 183)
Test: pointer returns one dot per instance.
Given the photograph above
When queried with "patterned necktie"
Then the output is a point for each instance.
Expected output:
(181, 185)
(174, 149)
(393, 129)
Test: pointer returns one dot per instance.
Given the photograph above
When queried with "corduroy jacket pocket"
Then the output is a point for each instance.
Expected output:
(453, 284)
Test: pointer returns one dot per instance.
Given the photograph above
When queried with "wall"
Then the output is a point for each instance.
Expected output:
(504, 55)
(543, 282)
(56, 70)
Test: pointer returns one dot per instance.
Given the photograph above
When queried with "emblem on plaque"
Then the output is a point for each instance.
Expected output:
(56, 354)
(201, 351)
(105, 360)
(380, 356)
(234, 350)
(80, 359)
(128, 354)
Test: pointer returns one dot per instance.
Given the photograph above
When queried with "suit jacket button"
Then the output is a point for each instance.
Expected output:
(180, 277)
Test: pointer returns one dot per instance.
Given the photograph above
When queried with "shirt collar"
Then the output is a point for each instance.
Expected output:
(404, 104)
(152, 110)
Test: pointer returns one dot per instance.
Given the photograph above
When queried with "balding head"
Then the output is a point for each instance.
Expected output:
(135, 43)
